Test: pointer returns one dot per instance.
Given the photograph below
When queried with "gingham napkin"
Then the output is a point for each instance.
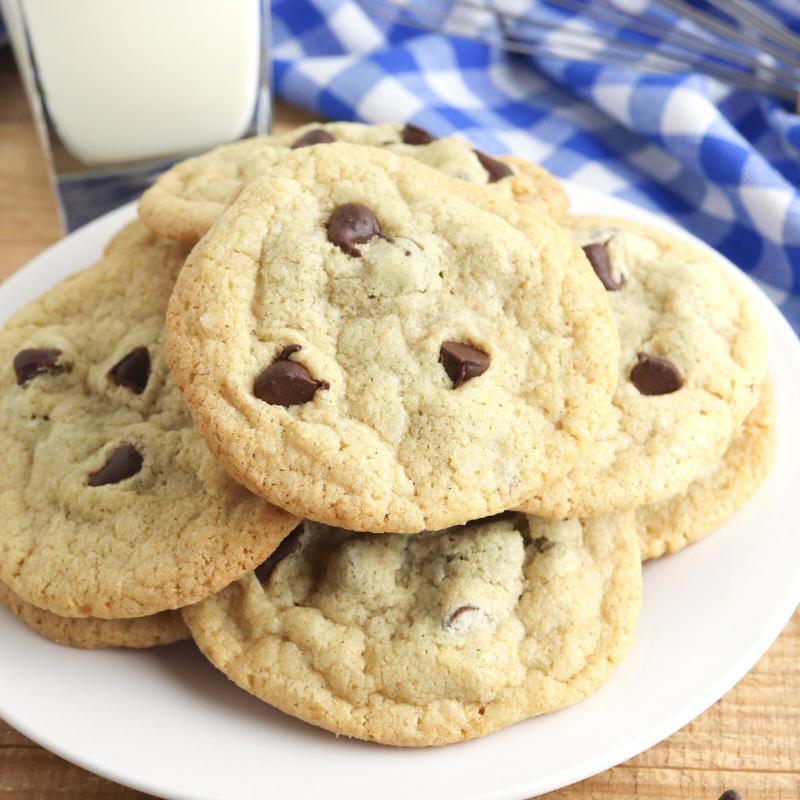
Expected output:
(723, 163)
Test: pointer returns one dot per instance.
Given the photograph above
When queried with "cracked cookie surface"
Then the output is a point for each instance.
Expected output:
(371, 344)
(693, 358)
(429, 638)
(710, 499)
(112, 505)
(165, 627)
(187, 199)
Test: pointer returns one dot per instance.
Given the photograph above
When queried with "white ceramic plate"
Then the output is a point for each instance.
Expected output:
(164, 721)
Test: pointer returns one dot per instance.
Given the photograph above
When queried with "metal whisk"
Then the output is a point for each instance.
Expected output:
(736, 41)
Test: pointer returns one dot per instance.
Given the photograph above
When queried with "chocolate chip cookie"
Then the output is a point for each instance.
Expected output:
(90, 633)
(431, 638)
(367, 342)
(187, 199)
(112, 505)
(670, 525)
(693, 360)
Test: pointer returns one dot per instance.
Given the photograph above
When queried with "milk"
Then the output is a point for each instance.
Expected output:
(132, 80)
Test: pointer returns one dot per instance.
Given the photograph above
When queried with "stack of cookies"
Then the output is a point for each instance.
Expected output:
(375, 421)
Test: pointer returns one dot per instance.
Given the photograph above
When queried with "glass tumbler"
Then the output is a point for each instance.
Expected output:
(121, 89)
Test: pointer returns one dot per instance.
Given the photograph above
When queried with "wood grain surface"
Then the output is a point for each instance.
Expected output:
(750, 740)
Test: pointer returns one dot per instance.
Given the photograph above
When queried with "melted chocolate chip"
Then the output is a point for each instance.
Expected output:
(730, 794)
(133, 370)
(496, 170)
(462, 362)
(287, 383)
(314, 136)
(125, 461)
(597, 254)
(412, 134)
(457, 613)
(285, 548)
(542, 544)
(654, 375)
(30, 363)
(352, 224)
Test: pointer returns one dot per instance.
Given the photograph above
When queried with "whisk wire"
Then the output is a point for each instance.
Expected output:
(694, 40)
(767, 25)
(728, 30)
(681, 41)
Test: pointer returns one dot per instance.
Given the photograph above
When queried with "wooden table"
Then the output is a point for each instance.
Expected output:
(750, 740)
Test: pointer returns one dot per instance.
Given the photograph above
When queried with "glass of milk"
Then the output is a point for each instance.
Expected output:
(121, 89)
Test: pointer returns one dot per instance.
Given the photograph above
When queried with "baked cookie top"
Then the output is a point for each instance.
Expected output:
(430, 638)
(112, 505)
(187, 199)
(90, 633)
(366, 342)
(693, 360)
(670, 525)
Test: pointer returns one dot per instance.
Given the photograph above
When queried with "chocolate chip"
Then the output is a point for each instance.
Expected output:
(352, 224)
(462, 362)
(597, 253)
(497, 170)
(30, 363)
(285, 382)
(412, 134)
(288, 351)
(457, 613)
(125, 461)
(314, 136)
(132, 370)
(730, 794)
(654, 375)
(285, 548)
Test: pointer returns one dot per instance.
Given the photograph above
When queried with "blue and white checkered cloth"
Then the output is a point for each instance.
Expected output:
(723, 163)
